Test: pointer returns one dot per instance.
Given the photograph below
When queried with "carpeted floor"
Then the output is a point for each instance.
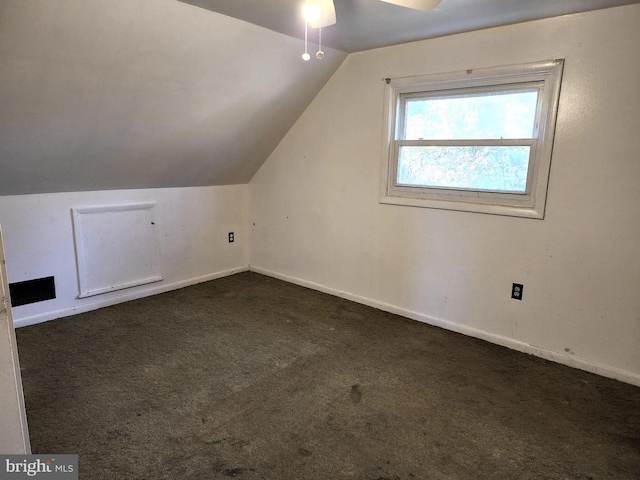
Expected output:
(254, 378)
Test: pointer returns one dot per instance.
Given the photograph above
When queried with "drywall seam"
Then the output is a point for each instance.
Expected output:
(558, 357)
(124, 297)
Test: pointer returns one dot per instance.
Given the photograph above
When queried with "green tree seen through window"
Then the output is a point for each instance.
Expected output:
(492, 116)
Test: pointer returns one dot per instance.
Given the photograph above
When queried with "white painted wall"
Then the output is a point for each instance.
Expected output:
(318, 222)
(193, 226)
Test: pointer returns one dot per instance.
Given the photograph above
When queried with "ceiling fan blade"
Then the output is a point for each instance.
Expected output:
(327, 14)
(424, 5)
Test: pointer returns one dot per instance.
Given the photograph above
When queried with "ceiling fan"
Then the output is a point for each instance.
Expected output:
(322, 13)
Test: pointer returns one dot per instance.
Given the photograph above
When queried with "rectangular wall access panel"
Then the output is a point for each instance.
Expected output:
(116, 247)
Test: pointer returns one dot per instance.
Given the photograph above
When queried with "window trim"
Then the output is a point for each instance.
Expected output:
(544, 76)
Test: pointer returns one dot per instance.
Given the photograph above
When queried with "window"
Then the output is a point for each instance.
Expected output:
(477, 141)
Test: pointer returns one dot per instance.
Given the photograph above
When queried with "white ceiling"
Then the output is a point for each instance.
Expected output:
(119, 94)
(366, 24)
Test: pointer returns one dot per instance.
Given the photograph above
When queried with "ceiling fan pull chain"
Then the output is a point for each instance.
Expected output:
(305, 55)
(320, 54)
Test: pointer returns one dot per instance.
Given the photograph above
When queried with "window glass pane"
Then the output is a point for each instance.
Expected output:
(472, 117)
(493, 168)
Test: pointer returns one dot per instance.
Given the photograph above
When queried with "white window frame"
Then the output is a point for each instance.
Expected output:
(543, 76)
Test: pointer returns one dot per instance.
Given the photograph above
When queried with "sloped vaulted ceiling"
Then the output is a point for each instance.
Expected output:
(113, 94)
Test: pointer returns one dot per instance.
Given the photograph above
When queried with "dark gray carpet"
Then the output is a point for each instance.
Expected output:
(255, 378)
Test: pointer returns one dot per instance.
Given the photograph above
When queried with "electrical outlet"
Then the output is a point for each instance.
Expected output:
(516, 291)
(231, 237)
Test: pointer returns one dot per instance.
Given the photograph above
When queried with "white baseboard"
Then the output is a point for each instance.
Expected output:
(125, 296)
(558, 357)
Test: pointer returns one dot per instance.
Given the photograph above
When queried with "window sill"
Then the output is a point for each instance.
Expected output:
(462, 206)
